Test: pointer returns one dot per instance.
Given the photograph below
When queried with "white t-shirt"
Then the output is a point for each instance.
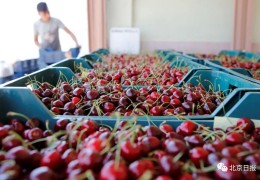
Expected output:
(49, 33)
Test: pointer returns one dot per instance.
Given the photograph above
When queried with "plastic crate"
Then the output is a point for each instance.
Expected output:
(250, 56)
(26, 65)
(216, 65)
(231, 53)
(247, 106)
(52, 75)
(102, 51)
(73, 64)
(92, 57)
(50, 57)
(22, 100)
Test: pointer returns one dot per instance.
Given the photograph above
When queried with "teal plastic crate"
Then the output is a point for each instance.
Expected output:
(92, 57)
(101, 51)
(250, 56)
(216, 65)
(22, 100)
(74, 64)
(51, 75)
(248, 106)
(231, 53)
(216, 79)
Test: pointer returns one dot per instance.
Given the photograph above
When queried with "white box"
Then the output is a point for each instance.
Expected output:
(124, 40)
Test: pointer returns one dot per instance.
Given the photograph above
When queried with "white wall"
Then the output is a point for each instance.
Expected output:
(176, 23)
(256, 21)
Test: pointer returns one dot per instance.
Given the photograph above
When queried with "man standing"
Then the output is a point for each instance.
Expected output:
(47, 28)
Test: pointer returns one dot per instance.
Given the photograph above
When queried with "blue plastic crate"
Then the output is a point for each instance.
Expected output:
(250, 56)
(28, 65)
(5, 79)
(50, 57)
(53, 75)
(248, 106)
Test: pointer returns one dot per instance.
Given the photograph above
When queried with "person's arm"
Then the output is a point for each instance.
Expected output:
(71, 35)
(36, 41)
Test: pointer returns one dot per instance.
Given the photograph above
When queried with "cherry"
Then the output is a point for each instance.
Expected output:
(43, 173)
(247, 125)
(66, 87)
(168, 112)
(194, 140)
(228, 162)
(188, 106)
(89, 158)
(69, 106)
(3, 132)
(89, 126)
(95, 144)
(168, 167)
(65, 97)
(198, 154)
(156, 111)
(216, 146)
(12, 167)
(112, 170)
(92, 94)
(253, 159)
(191, 97)
(214, 158)
(123, 101)
(153, 131)
(32, 123)
(34, 134)
(166, 128)
(179, 110)
(187, 176)
(234, 138)
(175, 103)
(35, 159)
(209, 107)
(251, 145)
(19, 154)
(187, 128)
(10, 142)
(155, 96)
(131, 93)
(130, 151)
(138, 168)
(75, 100)
(62, 146)
(61, 124)
(108, 107)
(18, 127)
(52, 159)
(177, 94)
(151, 142)
(230, 152)
(47, 93)
(163, 177)
(78, 92)
(174, 146)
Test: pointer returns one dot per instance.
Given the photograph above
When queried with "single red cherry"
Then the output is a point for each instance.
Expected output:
(114, 170)
(52, 159)
(130, 151)
(234, 138)
(187, 128)
(247, 125)
(198, 154)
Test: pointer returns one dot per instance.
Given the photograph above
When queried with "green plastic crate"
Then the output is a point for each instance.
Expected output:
(73, 64)
(92, 57)
(51, 75)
